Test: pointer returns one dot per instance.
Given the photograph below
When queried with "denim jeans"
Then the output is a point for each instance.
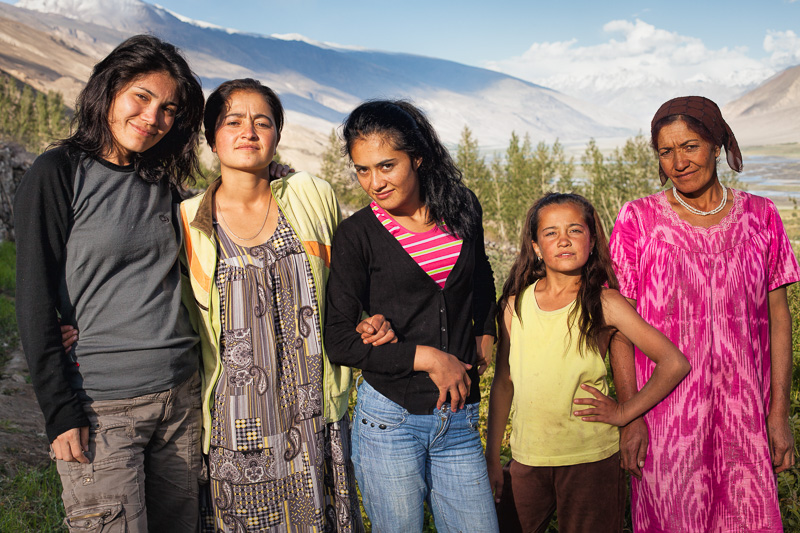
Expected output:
(145, 463)
(402, 460)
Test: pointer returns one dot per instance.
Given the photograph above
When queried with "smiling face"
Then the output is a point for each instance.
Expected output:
(387, 175)
(686, 158)
(246, 136)
(563, 240)
(140, 115)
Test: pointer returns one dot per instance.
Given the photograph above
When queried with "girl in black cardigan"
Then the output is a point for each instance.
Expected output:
(415, 435)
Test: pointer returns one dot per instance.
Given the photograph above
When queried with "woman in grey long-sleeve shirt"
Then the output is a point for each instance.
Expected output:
(98, 244)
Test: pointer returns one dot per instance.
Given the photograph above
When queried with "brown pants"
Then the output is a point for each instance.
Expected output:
(145, 462)
(587, 497)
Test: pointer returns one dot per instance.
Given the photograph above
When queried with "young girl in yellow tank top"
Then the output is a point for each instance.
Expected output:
(560, 307)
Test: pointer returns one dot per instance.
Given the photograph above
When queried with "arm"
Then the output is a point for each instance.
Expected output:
(485, 344)
(499, 405)
(671, 366)
(484, 300)
(42, 218)
(781, 443)
(633, 437)
(347, 297)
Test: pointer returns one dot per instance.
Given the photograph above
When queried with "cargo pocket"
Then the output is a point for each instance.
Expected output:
(98, 519)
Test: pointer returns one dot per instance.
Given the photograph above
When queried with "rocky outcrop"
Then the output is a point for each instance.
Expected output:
(14, 162)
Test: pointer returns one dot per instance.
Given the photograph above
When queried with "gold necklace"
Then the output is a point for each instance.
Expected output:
(228, 226)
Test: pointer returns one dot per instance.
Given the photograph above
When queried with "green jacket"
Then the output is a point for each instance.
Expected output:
(310, 206)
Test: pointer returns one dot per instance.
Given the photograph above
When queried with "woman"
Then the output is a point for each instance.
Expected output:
(708, 266)
(275, 421)
(97, 245)
(416, 256)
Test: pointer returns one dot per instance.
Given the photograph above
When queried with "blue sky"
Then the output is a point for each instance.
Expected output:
(472, 32)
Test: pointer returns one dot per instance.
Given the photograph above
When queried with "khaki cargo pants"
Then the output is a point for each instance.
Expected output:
(145, 463)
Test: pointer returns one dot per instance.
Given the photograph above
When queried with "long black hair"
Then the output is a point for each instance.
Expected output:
(407, 130)
(219, 100)
(595, 274)
(174, 157)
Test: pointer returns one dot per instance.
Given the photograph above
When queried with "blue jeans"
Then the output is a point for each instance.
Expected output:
(402, 460)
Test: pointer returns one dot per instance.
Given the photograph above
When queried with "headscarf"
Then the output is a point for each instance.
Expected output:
(708, 113)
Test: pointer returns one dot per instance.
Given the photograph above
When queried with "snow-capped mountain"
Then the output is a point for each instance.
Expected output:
(320, 83)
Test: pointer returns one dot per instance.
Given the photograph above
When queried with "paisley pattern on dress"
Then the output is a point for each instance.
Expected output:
(271, 467)
(708, 466)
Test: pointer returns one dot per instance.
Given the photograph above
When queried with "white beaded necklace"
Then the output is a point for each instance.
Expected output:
(696, 211)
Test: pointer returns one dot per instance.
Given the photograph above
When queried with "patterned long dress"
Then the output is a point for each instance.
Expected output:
(274, 464)
(708, 466)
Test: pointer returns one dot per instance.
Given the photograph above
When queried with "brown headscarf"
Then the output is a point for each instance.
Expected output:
(709, 115)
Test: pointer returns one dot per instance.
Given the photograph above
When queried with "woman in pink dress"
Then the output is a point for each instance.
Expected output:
(708, 266)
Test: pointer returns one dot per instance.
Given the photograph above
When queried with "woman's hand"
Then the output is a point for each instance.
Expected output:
(606, 409)
(71, 445)
(376, 330)
(485, 344)
(277, 170)
(781, 442)
(495, 470)
(448, 374)
(633, 442)
(69, 335)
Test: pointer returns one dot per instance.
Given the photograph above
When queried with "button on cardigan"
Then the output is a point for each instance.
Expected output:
(372, 273)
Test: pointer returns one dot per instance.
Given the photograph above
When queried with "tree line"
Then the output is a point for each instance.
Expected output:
(31, 118)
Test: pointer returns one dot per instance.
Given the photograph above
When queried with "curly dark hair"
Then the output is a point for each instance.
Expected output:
(406, 128)
(595, 274)
(174, 157)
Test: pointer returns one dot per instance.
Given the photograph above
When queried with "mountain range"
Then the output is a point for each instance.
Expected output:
(53, 44)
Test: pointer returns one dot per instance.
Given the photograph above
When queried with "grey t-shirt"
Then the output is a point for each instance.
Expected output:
(122, 286)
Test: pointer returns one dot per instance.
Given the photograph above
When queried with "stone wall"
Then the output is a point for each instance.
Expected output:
(14, 162)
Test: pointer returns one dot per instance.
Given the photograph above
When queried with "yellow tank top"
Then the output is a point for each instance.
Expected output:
(547, 371)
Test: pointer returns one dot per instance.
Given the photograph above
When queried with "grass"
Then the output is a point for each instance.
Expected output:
(790, 150)
(30, 500)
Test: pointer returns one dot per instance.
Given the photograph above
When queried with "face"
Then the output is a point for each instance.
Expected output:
(246, 136)
(387, 175)
(140, 115)
(686, 158)
(563, 239)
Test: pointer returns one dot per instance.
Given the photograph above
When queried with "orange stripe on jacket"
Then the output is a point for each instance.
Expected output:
(323, 251)
(194, 262)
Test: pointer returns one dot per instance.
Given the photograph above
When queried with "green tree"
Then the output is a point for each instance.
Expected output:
(30, 118)
(336, 171)
(628, 173)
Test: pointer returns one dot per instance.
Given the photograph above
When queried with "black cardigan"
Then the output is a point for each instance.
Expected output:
(371, 272)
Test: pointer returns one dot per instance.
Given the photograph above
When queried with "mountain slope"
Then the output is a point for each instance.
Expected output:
(769, 114)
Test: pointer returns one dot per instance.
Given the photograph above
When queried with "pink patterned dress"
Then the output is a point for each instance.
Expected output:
(708, 466)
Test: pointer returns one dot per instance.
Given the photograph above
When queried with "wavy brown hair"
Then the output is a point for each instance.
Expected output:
(441, 187)
(597, 273)
(174, 157)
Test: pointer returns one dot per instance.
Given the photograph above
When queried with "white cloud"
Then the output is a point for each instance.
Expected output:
(783, 47)
(639, 66)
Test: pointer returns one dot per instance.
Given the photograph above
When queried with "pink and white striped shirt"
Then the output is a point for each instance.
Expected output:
(435, 251)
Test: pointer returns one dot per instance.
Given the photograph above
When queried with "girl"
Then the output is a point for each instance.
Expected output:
(415, 255)
(558, 317)
(275, 421)
(98, 242)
